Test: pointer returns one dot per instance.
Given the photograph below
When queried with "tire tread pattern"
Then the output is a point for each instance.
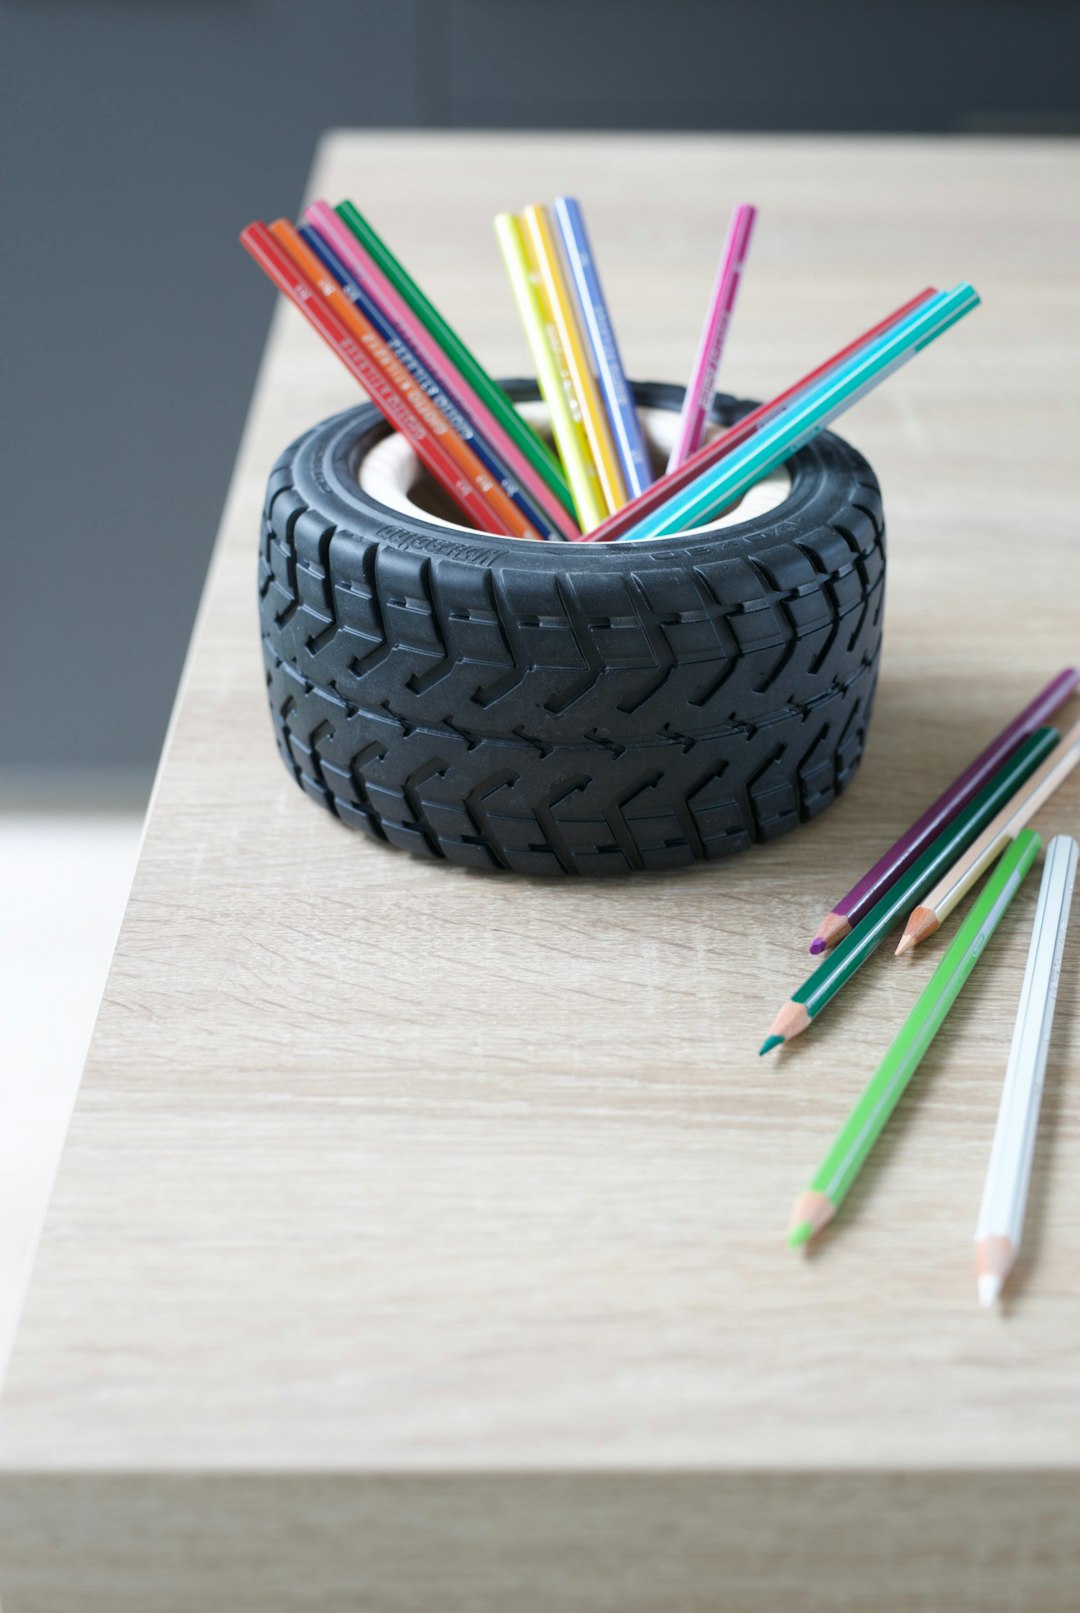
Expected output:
(581, 721)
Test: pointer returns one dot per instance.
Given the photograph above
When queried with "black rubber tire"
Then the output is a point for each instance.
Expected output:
(553, 708)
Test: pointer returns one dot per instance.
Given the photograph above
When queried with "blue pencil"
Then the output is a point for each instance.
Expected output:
(607, 362)
(443, 400)
(718, 487)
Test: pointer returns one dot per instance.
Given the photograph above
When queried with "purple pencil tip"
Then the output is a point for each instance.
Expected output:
(817, 946)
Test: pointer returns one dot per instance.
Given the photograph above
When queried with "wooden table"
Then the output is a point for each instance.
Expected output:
(418, 1242)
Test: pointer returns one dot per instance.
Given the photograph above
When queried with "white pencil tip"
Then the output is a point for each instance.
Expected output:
(989, 1288)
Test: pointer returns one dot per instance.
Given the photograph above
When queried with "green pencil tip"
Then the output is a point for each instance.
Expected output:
(769, 1043)
(800, 1234)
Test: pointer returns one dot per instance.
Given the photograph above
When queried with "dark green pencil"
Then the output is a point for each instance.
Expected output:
(838, 968)
(516, 427)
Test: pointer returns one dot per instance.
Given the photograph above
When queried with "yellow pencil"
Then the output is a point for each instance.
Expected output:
(552, 372)
(544, 248)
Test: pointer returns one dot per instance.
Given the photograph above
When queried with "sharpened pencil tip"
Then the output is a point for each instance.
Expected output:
(922, 923)
(817, 946)
(810, 1213)
(989, 1288)
(905, 944)
(769, 1043)
(833, 929)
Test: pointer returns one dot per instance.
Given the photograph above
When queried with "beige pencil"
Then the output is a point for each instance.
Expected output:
(936, 906)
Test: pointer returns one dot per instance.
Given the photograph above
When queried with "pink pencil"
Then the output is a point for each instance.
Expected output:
(699, 393)
(378, 287)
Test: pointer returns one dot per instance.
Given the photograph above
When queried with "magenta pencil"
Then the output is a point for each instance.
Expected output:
(699, 392)
(356, 258)
(913, 842)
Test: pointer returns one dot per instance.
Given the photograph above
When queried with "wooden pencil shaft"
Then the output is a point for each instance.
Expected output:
(562, 302)
(1008, 1174)
(885, 1088)
(853, 951)
(1033, 794)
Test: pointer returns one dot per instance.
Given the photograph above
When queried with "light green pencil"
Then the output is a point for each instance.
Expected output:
(817, 1206)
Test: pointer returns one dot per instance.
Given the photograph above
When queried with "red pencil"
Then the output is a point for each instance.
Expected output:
(420, 427)
(712, 452)
(505, 516)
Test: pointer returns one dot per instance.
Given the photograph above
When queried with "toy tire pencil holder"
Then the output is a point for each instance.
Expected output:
(553, 708)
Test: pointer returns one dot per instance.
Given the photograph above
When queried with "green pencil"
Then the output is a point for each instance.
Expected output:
(535, 451)
(805, 1004)
(817, 1206)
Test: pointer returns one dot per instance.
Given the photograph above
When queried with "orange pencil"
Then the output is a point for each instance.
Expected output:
(504, 515)
(293, 283)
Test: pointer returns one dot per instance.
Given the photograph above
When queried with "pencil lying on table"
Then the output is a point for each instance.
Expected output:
(936, 906)
(1001, 1214)
(816, 1207)
(857, 902)
(836, 970)
(515, 425)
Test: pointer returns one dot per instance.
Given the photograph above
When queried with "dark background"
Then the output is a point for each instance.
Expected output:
(130, 130)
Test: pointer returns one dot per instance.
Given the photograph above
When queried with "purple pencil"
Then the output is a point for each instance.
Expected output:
(913, 842)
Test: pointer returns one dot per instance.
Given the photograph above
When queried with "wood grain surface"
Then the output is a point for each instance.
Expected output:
(386, 1171)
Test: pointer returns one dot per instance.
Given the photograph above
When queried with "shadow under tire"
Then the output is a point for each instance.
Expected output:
(551, 708)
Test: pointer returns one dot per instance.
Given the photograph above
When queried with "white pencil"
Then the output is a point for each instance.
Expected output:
(1001, 1215)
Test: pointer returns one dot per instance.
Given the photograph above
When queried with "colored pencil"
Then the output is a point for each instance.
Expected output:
(716, 450)
(503, 517)
(551, 370)
(607, 360)
(514, 424)
(834, 971)
(415, 425)
(968, 868)
(403, 351)
(1001, 1215)
(858, 901)
(544, 249)
(718, 489)
(816, 1207)
(699, 392)
(366, 272)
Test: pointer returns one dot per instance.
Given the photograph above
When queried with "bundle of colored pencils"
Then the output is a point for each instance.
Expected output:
(978, 826)
(598, 485)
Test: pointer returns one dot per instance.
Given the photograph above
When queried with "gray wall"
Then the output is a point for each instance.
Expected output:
(129, 127)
